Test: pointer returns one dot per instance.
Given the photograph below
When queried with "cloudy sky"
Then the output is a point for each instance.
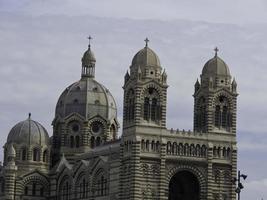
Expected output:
(42, 41)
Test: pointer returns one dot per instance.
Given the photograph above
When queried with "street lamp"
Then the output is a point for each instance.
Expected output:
(239, 184)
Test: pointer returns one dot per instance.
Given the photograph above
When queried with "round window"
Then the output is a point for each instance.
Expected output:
(75, 127)
(96, 127)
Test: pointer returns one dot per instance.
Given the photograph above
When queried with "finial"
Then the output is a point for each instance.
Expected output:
(216, 51)
(30, 115)
(146, 40)
(89, 38)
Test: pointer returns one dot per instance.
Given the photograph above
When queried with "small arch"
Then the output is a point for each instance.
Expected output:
(158, 146)
(153, 146)
(45, 156)
(228, 153)
(100, 182)
(71, 141)
(92, 141)
(98, 141)
(77, 141)
(224, 152)
(203, 151)
(169, 147)
(147, 145)
(23, 152)
(36, 154)
(198, 150)
(151, 105)
(143, 144)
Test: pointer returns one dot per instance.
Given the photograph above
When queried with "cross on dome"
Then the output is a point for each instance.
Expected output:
(89, 38)
(216, 51)
(146, 40)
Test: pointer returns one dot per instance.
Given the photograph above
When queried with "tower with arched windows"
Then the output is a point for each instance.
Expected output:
(145, 89)
(215, 98)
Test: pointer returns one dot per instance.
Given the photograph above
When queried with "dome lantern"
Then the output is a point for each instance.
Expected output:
(88, 62)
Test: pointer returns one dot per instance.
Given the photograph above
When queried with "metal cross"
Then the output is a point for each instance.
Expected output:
(146, 40)
(216, 51)
(89, 38)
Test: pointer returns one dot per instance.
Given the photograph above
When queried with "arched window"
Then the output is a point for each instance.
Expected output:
(45, 156)
(157, 146)
(64, 189)
(26, 190)
(81, 187)
(147, 145)
(153, 146)
(217, 116)
(35, 189)
(92, 142)
(143, 144)
(41, 191)
(101, 184)
(222, 116)
(71, 141)
(36, 154)
(201, 115)
(151, 106)
(129, 108)
(98, 141)
(146, 108)
(23, 154)
(77, 140)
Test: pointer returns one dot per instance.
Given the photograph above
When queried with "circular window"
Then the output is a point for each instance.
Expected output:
(96, 127)
(75, 127)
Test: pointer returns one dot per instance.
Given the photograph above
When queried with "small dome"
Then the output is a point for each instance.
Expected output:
(146, 57)
(215, 66)
(88, 98)
(88, 57)
(28, 132)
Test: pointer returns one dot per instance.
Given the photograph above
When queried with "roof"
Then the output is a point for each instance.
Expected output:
(28, 132)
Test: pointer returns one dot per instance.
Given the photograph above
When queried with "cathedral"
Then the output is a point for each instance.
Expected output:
(85, 159)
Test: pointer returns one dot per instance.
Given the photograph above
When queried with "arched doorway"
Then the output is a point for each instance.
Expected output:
(184, 186)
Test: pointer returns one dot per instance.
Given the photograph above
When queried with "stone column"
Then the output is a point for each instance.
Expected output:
(163, 186)
(210, 181)
(10, 181)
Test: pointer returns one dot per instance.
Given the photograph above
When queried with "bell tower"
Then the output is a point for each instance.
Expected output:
(215, 98)
(145, 91)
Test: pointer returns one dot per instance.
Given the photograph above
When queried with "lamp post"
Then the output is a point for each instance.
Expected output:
(239, 184)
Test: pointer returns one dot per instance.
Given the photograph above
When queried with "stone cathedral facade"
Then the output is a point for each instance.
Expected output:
(85, 158)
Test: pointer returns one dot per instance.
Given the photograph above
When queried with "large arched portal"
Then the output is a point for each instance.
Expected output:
(184, 186)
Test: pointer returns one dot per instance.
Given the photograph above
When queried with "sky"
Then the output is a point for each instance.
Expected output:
(42, 42)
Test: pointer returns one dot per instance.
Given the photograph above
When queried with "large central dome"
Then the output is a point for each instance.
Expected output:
(88, 98)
